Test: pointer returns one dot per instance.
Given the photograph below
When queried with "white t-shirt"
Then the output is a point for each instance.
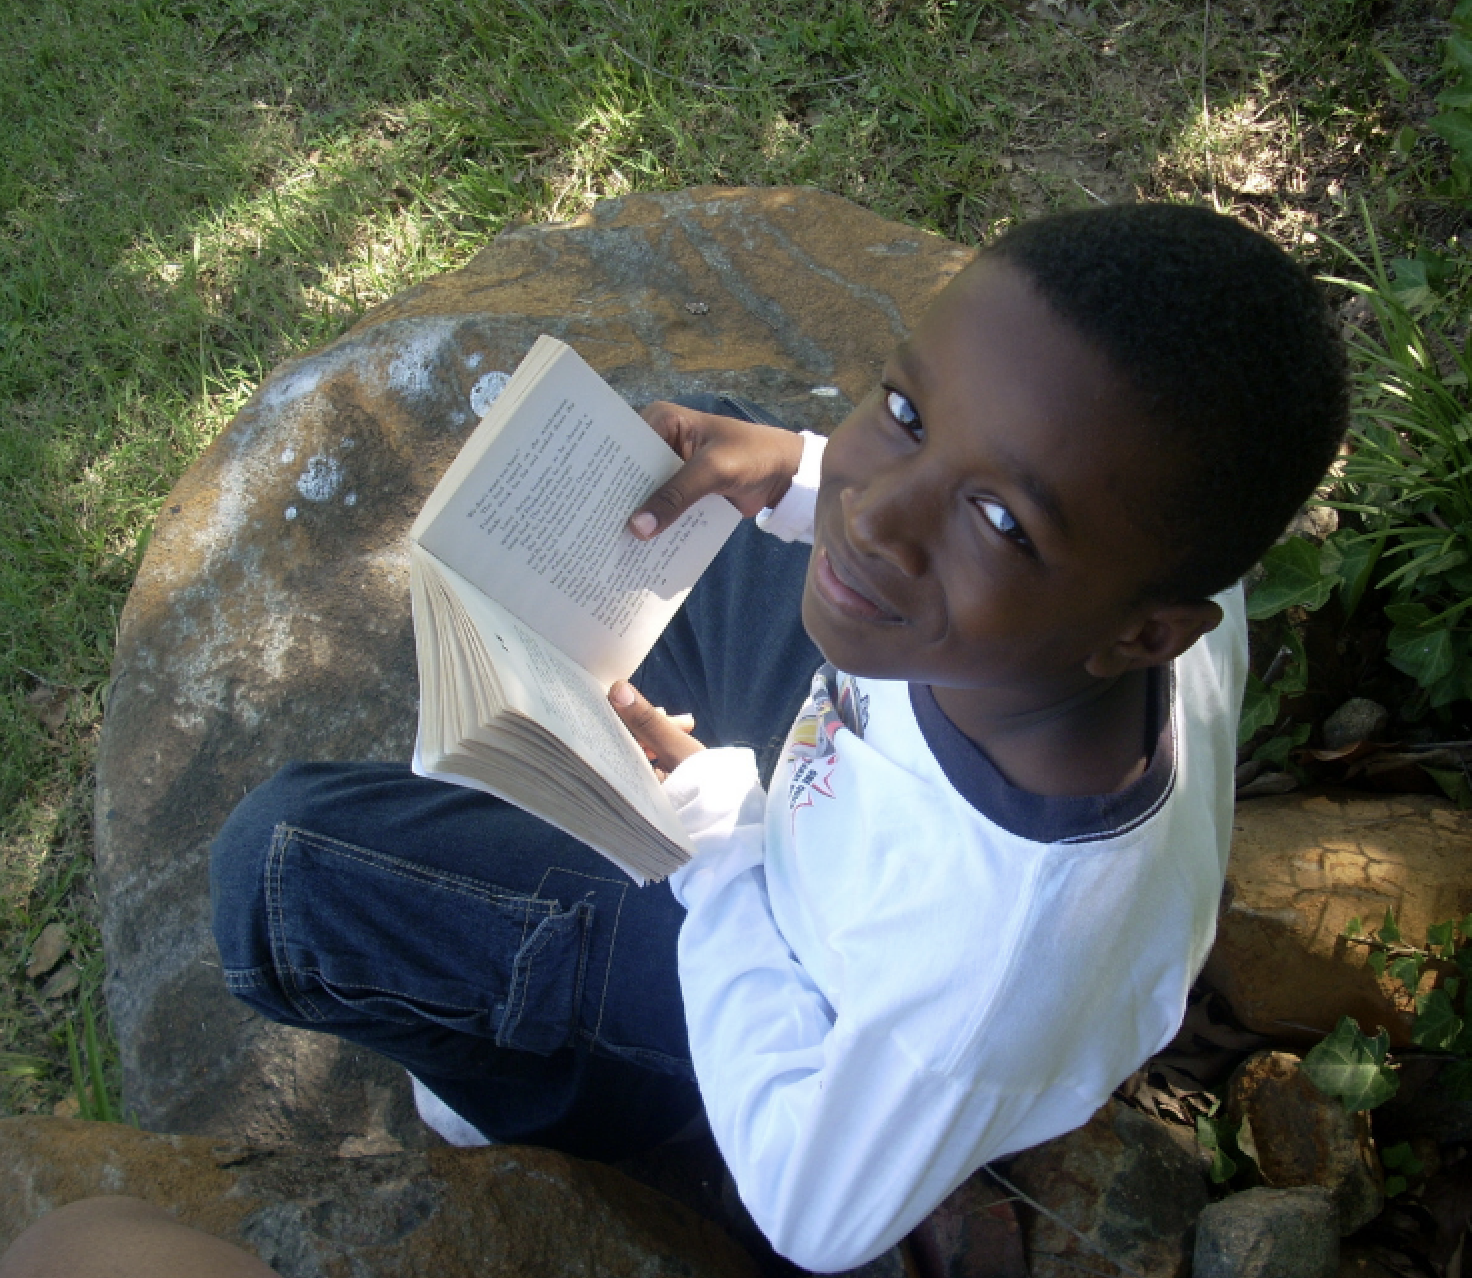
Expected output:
(896, 966)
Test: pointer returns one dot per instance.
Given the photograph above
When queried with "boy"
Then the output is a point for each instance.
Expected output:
(986, 869)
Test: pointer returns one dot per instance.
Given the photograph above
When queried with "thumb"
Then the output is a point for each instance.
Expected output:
(665, 505)
(663, 739)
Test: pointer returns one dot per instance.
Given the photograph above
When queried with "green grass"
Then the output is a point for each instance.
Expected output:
(192, 190)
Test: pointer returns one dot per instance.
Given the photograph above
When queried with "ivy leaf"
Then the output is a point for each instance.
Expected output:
(1408, 614)
(1291, 576)
(1425, 655)
(1276, 750)
(1259, 709)
(1407, 971)
(1377, 962)
(1207, 1136)
(1389, 932)
(1357, 556)
(1350, 1066)
(1294, 678)
(1440, 935)
(1437, 1024)
(1394, 1185)
(1354, 927)
(1402, 1158)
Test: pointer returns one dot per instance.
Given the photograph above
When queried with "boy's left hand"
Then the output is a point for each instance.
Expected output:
(666, 738)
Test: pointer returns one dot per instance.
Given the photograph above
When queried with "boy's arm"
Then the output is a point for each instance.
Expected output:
(838, 1141)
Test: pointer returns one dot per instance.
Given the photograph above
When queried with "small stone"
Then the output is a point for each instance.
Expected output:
(1268, 1233)
(67, 1107)
(47, 952)
(1304, 1138)
(1316, 523)
(1358, 719)
(63, 982)
(1246, 772)
(1268, 783)
(697, 308)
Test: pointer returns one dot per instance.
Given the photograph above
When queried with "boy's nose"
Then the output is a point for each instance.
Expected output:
(888, 520)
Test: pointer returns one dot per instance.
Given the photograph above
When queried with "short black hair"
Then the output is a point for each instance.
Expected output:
(1233, 353)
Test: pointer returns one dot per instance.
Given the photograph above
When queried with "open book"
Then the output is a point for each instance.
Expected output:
(531, 598)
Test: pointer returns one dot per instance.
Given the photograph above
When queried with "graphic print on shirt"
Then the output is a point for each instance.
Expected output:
(835, 702)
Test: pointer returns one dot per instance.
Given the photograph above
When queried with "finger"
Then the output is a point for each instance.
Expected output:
(696, 479)
(666, 744)
(685, 722)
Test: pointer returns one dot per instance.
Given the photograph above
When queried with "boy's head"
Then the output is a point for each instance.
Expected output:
(1233, 357)
(1103, 421)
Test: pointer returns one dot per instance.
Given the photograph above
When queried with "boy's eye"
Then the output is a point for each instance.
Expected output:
(903, 412)
(1000, 518)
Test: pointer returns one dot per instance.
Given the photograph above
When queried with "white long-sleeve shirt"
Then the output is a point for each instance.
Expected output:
(896, 966)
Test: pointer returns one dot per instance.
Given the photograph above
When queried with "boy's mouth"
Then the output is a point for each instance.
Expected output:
(844, 591)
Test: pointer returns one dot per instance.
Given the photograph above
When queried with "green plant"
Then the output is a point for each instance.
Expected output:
(89, 1081)
(1400, 1162)
(1406, 488)
(1454, 122)
(1351, 1065)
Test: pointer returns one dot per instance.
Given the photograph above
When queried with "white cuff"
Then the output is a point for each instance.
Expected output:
(791, 519)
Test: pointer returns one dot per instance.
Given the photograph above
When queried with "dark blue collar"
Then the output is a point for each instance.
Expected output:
(1047, 818)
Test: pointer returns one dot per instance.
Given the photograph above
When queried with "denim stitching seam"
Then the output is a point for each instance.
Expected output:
(290, 981)
(417, 874)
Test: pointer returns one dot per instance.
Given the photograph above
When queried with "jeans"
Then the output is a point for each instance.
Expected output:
(519, 975)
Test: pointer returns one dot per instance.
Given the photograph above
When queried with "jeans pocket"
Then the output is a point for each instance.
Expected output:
(358, 936)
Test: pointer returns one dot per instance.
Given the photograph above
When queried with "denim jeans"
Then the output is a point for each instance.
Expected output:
(520, 976)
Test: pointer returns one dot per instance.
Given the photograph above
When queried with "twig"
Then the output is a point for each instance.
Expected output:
(1097, 198)
(1060, 1222)
(708, 87)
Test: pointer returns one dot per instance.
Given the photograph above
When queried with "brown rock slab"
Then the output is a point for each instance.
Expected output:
(1300, 1137)
(1124, 1184)
(270, 620)
(443, 1212)
(1301, 867)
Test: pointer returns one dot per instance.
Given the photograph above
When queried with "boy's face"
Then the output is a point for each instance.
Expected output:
(973, 527)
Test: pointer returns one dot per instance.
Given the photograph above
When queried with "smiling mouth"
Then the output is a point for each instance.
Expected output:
(840, 589)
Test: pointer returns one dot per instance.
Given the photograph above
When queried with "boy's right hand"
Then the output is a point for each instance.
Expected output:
(749, 464)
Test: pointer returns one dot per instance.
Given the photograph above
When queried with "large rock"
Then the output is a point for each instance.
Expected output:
(270, 620)
(1302, 866)
(444, 1212)
(1300, 1137)
(1122, 1196)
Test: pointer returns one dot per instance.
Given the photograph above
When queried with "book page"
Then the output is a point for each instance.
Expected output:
(537, 522)
(541, 683)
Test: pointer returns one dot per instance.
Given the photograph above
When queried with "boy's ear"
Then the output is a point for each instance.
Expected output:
(1161, 635)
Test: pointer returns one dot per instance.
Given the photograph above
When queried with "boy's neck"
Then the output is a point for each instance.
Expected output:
(1087, 740)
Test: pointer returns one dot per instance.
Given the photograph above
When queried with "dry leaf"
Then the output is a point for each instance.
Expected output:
(65, 980)
(48, 950)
